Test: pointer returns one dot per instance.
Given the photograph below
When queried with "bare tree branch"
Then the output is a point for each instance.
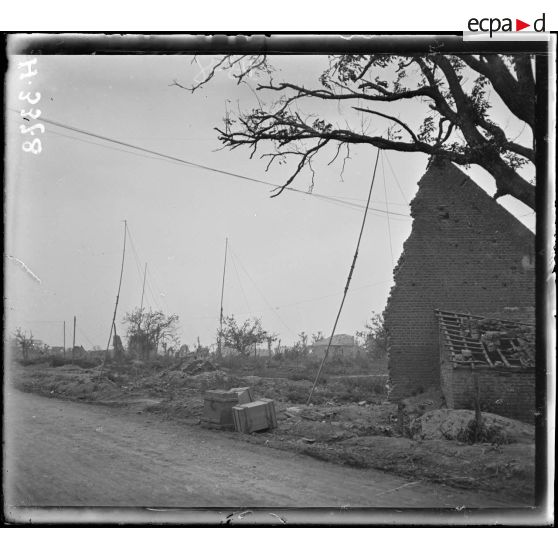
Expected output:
(402, 124)
(464, 132)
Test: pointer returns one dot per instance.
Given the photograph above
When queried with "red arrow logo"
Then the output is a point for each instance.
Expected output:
(519, 25)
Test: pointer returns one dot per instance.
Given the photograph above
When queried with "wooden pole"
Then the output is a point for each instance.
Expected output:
(74, 341)
(347, 283)
(143, 289)
(64, 330)
(113, 323)
(220, 336)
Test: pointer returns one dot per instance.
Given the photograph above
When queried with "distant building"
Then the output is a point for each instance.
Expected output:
(229, 352)
(342, 346)
(38, 348)
(184, 351)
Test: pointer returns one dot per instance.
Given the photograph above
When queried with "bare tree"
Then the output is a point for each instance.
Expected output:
(454, 91)
(302, 343)
(317, 337)
(148, 329)
(24, 341)
(270, 338)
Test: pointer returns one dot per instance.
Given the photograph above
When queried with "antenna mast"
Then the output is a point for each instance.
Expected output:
(143, 289)
(219, 338)
(113, 324)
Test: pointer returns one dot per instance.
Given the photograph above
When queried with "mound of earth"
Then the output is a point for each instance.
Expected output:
(211, 379)
(419, 404)
(457, 424)
(199, 365)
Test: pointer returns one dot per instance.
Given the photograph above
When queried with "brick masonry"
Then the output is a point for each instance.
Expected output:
(465, 253)
(506, 392)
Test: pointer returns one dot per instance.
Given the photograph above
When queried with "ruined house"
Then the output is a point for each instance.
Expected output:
(465, 254)
(342, 346)
(487, 362)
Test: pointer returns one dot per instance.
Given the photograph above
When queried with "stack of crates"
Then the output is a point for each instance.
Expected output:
(255, 416)
(218, 405)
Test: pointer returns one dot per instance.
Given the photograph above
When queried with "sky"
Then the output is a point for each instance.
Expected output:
(288, 256)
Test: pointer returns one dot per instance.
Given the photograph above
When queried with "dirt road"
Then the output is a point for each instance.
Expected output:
(61, 453)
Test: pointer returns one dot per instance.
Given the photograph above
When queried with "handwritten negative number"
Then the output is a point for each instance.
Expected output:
(30, 72)
(25, 130)
(30, 113)
(33, 146)
(26, 97)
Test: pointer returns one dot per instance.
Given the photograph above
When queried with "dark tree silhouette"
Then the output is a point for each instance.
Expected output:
(147, 329)
(242, 336)
(24, 341)
(454, 91)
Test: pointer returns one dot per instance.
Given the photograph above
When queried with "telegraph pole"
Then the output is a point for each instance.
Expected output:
(143, 289)
(74, 341)
(64, 330)
(113, 323)
(219, 338)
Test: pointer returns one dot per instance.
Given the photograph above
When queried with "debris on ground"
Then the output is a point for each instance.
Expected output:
(336, 427)
(412, 407)
(69, 367)
(199, 365)
(457, 424)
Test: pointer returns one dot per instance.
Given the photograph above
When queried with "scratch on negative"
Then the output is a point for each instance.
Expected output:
(397, 488)
(25, 268)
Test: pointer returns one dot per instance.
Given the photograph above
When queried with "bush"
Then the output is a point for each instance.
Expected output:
(44, 359)
(297, 394)
(304, 374)
(359, 389)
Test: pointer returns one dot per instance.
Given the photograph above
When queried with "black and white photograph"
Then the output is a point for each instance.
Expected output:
(280, 279)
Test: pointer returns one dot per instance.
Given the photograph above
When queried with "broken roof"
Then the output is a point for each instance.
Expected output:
(475, 341)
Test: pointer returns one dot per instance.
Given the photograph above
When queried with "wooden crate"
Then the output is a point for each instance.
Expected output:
(245, 394)
(218, 404)
(255, 416)
(217, 407)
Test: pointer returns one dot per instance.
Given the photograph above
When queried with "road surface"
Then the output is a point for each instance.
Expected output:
(62, 453)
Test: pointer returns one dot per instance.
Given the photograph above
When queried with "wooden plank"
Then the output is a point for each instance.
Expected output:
(468, 362)
(465, 343)
(504, 359)
(444, 313)
(445, 333)
(486, 356)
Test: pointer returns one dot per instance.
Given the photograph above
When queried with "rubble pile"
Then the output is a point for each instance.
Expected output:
(450, 424)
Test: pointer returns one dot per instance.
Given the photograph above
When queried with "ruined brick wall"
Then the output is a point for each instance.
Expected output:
(465, 253)
(510, 393)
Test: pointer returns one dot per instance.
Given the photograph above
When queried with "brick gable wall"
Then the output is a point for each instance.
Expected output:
(465, 253)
